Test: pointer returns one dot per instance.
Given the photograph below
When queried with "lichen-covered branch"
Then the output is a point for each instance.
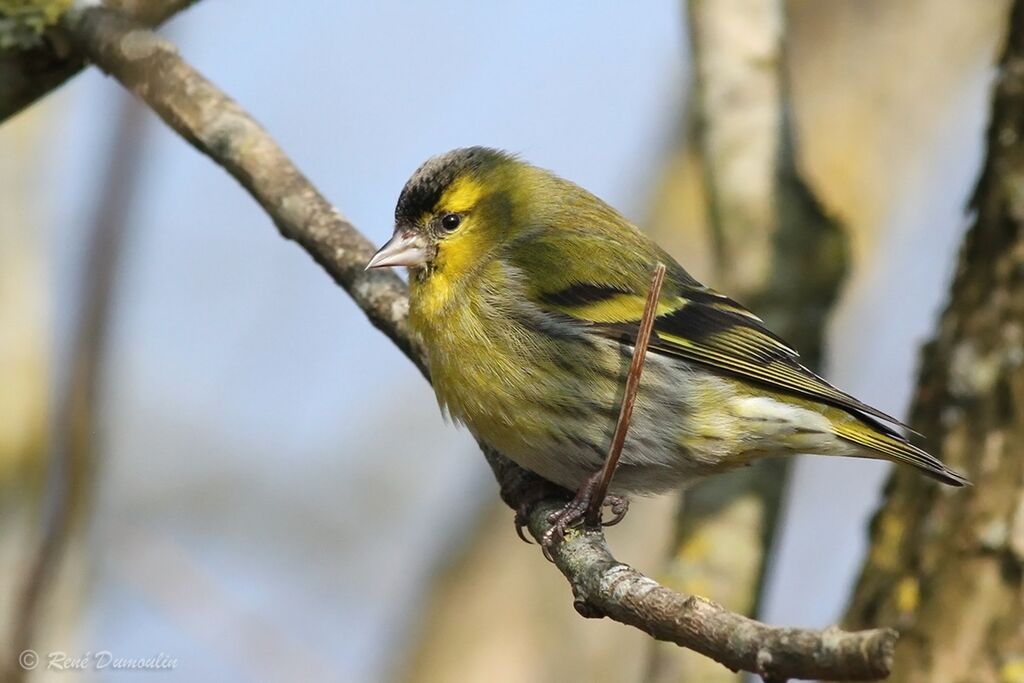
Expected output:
(151, 68)
(949, 569)
(604, 587)
(26, 74)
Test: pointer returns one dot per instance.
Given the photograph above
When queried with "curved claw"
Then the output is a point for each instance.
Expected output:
(521, 521)
(546, 551)
(619, 506)
(537, 491)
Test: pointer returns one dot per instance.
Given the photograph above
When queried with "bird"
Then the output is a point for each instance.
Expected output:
(527, 291)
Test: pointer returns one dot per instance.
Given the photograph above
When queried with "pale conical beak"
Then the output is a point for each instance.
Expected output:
(406, 248)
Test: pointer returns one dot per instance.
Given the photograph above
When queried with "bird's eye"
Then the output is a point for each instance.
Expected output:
(450, 221)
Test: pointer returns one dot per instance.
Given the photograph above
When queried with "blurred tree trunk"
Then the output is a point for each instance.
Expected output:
(946, 566)
(890, 141)
(768, 243)
(49, 590)
(24, 352)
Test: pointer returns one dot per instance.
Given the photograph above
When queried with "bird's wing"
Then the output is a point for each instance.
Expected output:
(694, 322)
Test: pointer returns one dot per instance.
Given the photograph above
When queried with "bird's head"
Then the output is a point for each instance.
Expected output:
(455, 209)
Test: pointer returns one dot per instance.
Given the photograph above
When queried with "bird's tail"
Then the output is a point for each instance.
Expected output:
(882, 441)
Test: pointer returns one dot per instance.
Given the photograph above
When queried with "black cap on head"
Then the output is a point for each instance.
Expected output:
(423, 190)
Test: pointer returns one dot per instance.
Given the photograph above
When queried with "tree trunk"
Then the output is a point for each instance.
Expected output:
(772, 248)
(946, 565)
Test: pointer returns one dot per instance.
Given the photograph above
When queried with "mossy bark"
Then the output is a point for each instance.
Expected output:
(30, 72)
(946, 565)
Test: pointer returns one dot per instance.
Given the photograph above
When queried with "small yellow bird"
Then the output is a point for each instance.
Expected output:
(527, 291)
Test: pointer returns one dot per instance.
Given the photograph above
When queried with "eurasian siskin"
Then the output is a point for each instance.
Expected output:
(527, 291)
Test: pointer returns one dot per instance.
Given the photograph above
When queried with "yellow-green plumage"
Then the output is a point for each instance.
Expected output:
(527, 291)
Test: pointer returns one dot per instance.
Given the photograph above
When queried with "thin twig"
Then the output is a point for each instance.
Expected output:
(636, 369)
(151, 68)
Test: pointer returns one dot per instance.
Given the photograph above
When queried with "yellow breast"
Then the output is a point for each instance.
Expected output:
(488, 371)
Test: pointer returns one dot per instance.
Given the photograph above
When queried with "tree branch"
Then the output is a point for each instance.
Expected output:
(150, 67)
(27, 75)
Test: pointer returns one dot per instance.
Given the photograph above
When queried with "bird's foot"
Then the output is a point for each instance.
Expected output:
(538, 490)
(575, 512)
(619, 505)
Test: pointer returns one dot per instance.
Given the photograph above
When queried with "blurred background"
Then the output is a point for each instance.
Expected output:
(269, 492)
